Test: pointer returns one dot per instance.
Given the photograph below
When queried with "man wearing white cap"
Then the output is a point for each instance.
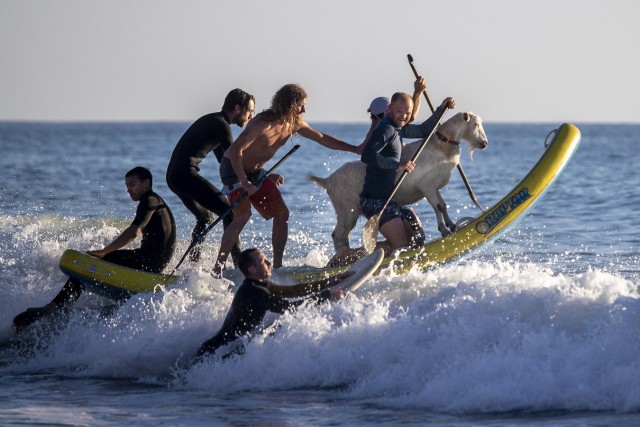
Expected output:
(379, 105)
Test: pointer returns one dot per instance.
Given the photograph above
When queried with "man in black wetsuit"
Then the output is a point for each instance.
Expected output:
(256, 296)
(211, 132)
(153, 220)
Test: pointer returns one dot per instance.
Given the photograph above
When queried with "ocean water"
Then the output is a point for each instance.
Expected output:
(540, 327)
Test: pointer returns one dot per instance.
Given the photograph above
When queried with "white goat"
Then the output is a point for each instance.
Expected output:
(432, 172)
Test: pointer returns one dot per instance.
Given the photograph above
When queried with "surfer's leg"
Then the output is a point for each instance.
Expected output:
(412, 226)
(394, 232)
(392, 226)
(241, 215)
(69, 293)
(133, 258)
(211, 345)
(201, 198)
(269, 203)
(208, 197)
(201, 225)
(203, 219)
(235, 249)
(237, 350)
(279, 236)
(33, 314)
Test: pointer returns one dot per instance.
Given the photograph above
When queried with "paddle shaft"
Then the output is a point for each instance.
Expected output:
(199, 237)
(459, 166)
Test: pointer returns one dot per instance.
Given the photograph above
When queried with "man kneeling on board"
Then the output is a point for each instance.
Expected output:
(153, 220)
(256, 296)
(412, 225)
(382, 155)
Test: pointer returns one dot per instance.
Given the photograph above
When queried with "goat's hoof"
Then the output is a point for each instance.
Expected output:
(445, 232)
(347, 257)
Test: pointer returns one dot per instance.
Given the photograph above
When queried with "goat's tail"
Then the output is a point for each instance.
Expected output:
(322, 182)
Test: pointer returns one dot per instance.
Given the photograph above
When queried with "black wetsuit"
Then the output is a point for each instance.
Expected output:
(211, 132)
(251, 303)
(158, 227)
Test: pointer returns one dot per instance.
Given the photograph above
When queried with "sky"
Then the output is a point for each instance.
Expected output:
(147, 60)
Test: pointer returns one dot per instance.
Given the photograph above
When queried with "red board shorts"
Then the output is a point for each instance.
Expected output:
(267, 200)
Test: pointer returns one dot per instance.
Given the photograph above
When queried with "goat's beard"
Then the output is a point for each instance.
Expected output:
(471, 149)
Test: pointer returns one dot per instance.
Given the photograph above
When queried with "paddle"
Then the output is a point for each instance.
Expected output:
(459, 166)
(370, 233)
(199, 237)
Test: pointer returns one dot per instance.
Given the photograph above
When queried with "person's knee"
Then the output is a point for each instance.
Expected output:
(241, 218)
(282, 213)
(393, 230)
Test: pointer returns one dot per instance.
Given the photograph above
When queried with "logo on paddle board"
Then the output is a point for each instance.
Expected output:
(501, 212)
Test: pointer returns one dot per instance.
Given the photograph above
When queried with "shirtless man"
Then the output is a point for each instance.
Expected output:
(242, 163)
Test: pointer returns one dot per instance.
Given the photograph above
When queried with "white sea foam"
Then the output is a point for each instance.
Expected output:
(475, 336)
(544, 319)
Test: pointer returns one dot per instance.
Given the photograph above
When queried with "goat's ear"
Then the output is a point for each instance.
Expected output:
(466, 117)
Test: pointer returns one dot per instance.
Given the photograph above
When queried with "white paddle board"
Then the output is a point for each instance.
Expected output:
(362, 270)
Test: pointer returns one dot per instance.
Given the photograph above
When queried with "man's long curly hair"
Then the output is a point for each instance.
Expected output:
(284, 106)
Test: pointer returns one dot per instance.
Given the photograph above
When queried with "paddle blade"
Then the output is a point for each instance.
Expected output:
(370, 233)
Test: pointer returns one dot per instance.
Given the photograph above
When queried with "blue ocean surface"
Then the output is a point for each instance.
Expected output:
(539, 327)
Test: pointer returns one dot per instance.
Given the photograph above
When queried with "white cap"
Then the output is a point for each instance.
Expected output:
(378, 105)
